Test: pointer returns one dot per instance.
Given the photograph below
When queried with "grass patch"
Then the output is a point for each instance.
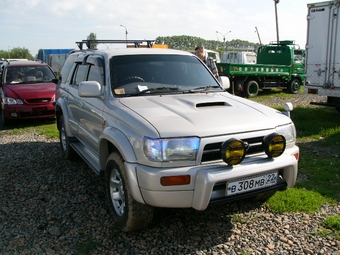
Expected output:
(47, 127)
(318, 137)
(298, 200)
(333, 222)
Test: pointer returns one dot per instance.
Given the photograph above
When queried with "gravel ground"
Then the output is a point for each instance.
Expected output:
(53, 206)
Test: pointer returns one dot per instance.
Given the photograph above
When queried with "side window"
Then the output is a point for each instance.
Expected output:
(80, 74)
(96, 74)
(67, 67)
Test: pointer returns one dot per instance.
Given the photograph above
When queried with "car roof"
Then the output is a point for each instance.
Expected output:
(25, 63)
(134, 51)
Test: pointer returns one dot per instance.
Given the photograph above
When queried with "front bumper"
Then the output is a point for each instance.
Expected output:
(207, 181)
(29, 111)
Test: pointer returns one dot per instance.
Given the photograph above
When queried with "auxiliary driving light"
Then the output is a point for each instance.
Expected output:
(274, 145)
(233, 151)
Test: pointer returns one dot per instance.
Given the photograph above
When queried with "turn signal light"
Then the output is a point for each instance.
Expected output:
(274, 145)
(233, 151)
(175, 180)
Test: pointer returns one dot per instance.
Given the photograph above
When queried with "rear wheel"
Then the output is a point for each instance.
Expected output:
(128, 214)
(294, 86)
(251, 89)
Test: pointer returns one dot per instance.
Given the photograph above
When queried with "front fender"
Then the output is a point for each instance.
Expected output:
(119, 141)
(61, 109)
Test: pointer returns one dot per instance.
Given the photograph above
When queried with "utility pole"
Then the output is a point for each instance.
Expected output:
(277, 22)
(224, 35)
(126, 33)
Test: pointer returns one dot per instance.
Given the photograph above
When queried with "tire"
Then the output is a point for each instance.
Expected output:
(128, 214)
(251, 89)
(66, 150)
(4, 121)
(294, 86)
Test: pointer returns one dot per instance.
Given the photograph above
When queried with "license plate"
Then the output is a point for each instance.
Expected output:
(251, 183)
(39, 109)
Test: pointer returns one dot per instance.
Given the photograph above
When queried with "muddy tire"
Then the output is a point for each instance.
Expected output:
(251, 89)
(294, 86)
(128, 214)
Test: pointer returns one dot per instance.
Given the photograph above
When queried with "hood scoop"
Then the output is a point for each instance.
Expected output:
(211, 104)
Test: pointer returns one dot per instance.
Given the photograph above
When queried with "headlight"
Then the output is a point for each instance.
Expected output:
(289, 132)
(165, 150)
(233, 151)
(274, 145)
(9, 100)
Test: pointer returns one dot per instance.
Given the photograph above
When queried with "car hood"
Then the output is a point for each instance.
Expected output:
(30, 91)
(204, 114)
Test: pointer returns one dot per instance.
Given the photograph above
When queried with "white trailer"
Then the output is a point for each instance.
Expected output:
(323, 52)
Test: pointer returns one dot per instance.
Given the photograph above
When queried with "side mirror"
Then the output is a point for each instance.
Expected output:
(225, 82)
(89, 89)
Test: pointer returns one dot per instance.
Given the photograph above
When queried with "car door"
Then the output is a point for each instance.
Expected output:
(90, 113)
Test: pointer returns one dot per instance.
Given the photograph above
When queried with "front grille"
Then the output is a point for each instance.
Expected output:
(38, 113)
(212, 151)
(38, 100)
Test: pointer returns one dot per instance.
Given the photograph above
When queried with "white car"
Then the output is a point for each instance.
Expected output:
(165, 133)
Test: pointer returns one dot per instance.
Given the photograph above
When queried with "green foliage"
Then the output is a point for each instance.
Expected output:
(297, 200)
(16, 53)
(92, 36)
(184, 42)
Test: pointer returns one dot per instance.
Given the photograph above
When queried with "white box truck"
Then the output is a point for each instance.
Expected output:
(323, 52)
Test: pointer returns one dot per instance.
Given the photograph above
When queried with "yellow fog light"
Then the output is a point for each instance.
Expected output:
(233, 151)
(274, 145)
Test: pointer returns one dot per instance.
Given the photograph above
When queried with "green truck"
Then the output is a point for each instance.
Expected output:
(278, 65)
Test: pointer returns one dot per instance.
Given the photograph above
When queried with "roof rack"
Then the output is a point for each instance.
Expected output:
(137, 43)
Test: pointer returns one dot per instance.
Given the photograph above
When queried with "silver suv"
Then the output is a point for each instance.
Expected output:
(165, 133)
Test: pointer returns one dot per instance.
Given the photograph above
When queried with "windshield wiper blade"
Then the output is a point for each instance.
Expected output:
(155, 90)
(204, 88)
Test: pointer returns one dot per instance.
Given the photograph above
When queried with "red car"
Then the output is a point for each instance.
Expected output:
(27, 90)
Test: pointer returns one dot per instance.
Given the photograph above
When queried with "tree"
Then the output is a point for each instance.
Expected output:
(92, 36)
(184, 42)
(16, 53)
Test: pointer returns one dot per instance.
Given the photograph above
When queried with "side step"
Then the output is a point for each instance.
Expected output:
(87, 156)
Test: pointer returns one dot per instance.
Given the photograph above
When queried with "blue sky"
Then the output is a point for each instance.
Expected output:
(40, 24)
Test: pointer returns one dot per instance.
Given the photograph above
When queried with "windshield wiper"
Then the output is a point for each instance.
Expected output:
(155, 90)
(204, 88)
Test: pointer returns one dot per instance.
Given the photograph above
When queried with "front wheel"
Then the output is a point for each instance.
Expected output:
(251, 89)
(128, 214)
(4, 120)
(294, 86)
(67, 151)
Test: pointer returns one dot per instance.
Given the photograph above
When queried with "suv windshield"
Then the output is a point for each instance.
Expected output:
(28, 74)
(133, 74)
